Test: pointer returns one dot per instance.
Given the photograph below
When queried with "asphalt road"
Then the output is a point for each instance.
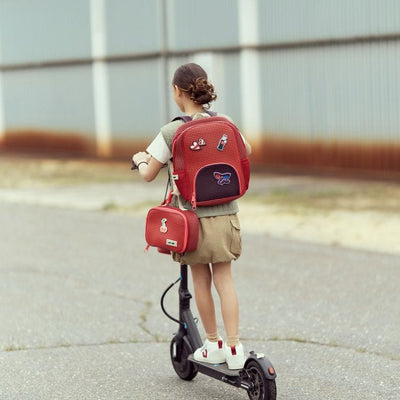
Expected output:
(80, 315)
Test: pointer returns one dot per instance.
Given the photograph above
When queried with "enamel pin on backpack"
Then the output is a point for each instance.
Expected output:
(210, 165)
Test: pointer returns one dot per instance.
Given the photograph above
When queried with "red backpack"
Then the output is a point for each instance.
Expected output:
(210, 165)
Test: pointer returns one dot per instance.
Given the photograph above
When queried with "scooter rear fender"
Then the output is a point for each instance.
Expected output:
(264, 363)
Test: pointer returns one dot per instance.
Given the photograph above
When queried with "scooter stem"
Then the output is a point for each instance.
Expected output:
(185, 314)
(184, 294)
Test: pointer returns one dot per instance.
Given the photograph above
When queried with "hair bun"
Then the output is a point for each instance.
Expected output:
(202, 91)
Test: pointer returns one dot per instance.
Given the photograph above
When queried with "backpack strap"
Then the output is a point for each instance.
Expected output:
(186, 118)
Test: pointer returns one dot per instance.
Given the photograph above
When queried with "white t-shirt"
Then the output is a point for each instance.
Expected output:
(159, 149)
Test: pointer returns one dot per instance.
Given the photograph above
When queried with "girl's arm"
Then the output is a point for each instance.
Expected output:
(148, 166)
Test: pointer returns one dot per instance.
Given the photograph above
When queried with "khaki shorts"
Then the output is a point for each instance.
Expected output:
(219, 241)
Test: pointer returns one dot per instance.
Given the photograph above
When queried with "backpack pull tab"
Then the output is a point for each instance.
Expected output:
(193, 201)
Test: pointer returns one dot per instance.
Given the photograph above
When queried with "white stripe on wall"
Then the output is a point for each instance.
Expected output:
(250, 88)
(2, 114)
(100, 78)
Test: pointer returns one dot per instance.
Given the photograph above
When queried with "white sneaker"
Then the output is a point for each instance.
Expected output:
(211, 352)
(235, 356)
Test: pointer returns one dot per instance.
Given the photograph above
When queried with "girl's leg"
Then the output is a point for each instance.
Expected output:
(223, 282)
(202, 279)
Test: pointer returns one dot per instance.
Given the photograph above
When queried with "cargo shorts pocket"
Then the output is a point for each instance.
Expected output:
(236, 238)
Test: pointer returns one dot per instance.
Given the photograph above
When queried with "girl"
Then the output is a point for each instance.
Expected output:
(219, 236)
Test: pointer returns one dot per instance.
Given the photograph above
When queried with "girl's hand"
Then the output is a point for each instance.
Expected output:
(140, 157)
(149, 171)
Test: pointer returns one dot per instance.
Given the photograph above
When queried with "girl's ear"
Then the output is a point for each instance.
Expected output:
(177, 91)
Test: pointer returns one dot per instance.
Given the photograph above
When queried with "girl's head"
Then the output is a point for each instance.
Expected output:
(192, 80)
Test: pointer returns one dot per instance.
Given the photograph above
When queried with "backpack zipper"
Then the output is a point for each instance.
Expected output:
(193, 201)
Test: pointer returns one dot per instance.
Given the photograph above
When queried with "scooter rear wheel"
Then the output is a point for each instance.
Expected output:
(183, 368)
(262, 388)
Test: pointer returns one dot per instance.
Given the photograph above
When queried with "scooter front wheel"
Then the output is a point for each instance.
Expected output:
(180, 351)
(262, 388)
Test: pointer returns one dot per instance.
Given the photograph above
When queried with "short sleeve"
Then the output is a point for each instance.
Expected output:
(159, 149)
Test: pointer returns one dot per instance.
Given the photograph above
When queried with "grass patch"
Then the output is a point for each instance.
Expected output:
(298, 197)
(374, 197)
(23, 172)
(14, 347)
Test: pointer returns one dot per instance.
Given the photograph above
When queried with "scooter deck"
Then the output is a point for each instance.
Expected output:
(221, 369)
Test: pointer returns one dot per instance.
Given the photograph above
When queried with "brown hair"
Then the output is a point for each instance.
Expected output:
(191, 78)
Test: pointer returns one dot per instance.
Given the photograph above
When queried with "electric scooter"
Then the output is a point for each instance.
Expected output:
(257, 376)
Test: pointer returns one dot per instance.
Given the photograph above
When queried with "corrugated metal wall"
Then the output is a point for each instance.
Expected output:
(310, 82)
(333, 92)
